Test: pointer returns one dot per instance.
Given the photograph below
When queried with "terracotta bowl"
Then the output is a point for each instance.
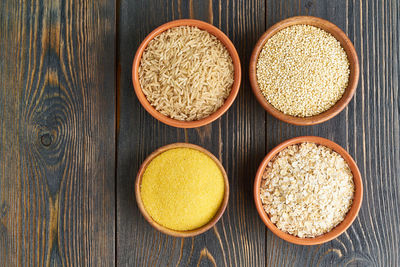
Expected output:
(167, 230)
(224, 40)
(351, 215)
(348, 48)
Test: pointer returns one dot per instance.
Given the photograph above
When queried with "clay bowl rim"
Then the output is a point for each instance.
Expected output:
(352, 213)
(351, 55)
(236, 65)
(166, 230)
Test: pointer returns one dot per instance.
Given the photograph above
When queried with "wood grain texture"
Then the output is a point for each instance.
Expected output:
(57, 151)
(237, 139)
(368, 128)
(59, 109)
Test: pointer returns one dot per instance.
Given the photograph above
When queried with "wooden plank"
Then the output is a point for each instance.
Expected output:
(57, 151)
(368, 129)
(238, 139)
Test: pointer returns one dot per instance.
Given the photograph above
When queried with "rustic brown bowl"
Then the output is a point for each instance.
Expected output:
(348, 48)
(352, 213)
(236, 65)
(167, 230)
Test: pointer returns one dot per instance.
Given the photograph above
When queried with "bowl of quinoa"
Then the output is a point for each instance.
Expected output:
(304, 70)
(308, 190)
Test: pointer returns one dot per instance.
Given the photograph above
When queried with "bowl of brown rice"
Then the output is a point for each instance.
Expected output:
(186, 73)
(304, 70)
(308, 190)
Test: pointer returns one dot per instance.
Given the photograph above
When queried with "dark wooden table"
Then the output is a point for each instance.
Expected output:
(73, 135)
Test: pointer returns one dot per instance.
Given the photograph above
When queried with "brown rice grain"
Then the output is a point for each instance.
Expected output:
(186, 73)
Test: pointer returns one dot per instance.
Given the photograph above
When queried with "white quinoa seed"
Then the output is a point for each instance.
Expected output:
(302, 70)
(307, 190)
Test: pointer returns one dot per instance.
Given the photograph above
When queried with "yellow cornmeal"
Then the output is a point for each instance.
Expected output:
(182, 189)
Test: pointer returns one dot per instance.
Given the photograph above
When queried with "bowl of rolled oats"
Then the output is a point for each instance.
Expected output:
(304, 70)
(308, 190)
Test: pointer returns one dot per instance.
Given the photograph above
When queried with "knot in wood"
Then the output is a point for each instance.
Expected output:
(46, 139)
(309, 4)
(3, 210)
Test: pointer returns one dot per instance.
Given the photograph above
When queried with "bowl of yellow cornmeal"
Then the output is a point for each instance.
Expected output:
(182, 189)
